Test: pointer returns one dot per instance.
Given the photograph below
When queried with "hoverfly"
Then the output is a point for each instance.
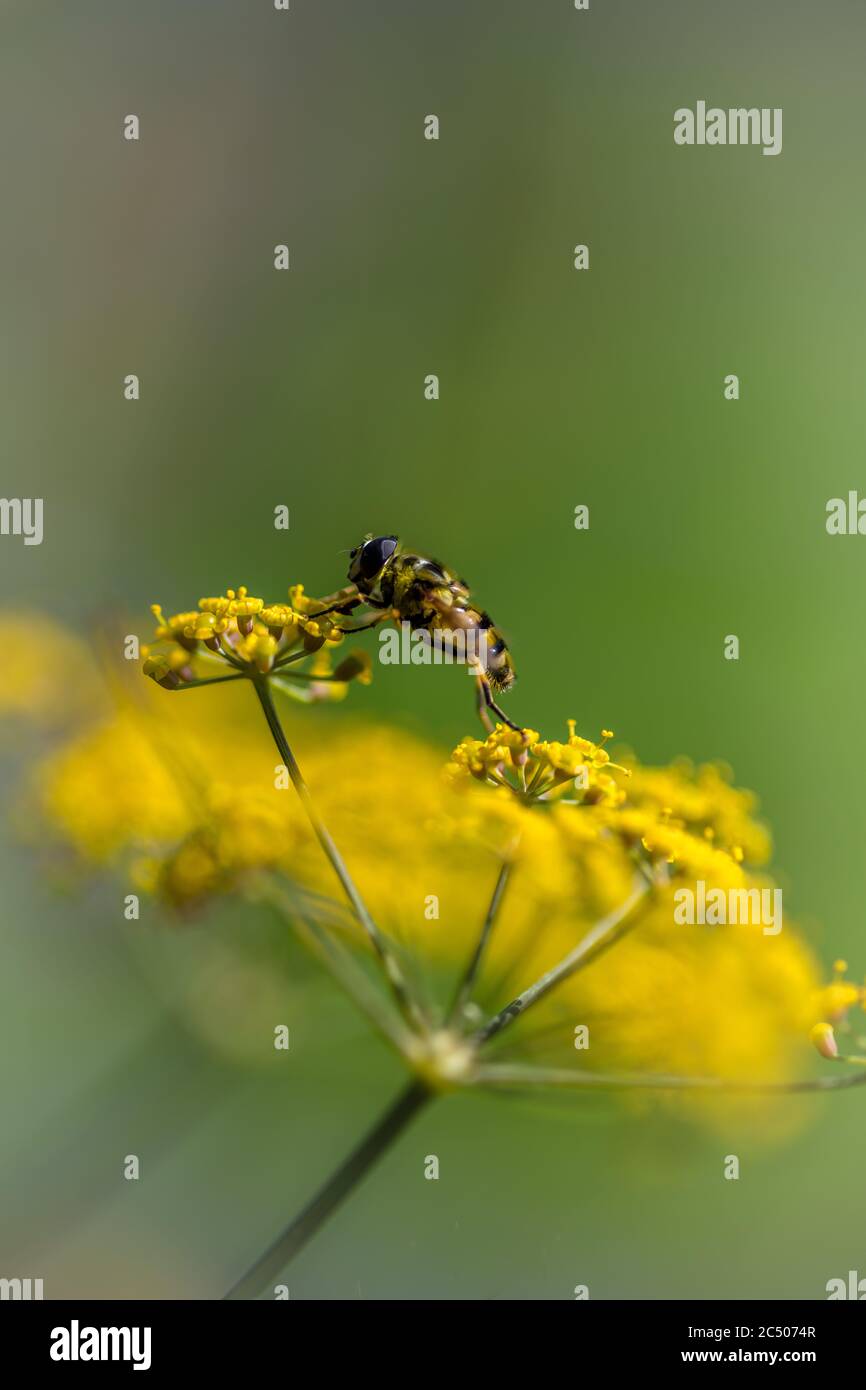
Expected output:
(412, 588)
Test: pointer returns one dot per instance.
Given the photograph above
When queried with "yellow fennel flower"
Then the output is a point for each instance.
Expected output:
(203, 817)
(236, 635)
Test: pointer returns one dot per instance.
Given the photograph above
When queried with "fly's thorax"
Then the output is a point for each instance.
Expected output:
(394, 583)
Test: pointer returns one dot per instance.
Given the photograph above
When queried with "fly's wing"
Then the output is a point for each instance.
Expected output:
(439, 578)
(450, 607)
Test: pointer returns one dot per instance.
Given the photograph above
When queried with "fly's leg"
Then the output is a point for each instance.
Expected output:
(345, 607)
(486, 702)
(341, 602)
(481, 706)
(363, 627)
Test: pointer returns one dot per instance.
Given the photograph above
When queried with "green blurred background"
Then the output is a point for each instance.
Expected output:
(557, 388)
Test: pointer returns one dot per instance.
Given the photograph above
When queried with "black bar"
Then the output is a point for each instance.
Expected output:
(242, 1338)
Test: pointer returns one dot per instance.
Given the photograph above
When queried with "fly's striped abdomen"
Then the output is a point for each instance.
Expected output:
(500, 667)
(451, 611)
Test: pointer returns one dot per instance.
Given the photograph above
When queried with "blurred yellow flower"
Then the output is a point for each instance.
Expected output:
(47, 675)
(835, 999)
(592, 852)
(195, 810)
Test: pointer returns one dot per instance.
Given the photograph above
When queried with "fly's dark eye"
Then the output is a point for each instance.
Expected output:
(375, 553)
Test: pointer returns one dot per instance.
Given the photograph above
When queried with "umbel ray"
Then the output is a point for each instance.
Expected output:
(411, 588)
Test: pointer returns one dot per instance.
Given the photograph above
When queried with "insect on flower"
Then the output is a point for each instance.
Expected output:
(414, 589)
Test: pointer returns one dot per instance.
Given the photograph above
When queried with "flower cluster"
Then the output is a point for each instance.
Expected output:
(195, 825)
(678, 820)
(537, 770)
(188, 810)
(189, 813)
(249, 637)
(703, 801)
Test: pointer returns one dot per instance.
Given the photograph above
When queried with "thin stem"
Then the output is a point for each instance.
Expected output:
(228, 655)
(518, 1076)
(304, 676)
(340, 963)
(208, 680)
(467, 984)
(328, 1198)
(602, 936)
(396, 980)
(287, 660)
